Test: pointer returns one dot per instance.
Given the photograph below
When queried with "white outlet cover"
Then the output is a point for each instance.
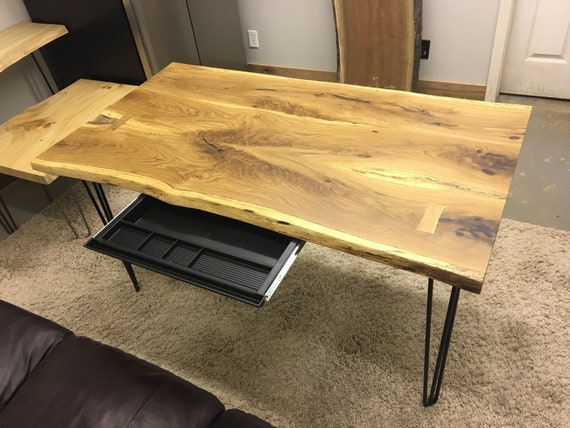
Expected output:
(252, 38)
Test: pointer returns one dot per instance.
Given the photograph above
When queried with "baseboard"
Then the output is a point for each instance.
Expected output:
(452, 89)
(431, 87)
(299, 73)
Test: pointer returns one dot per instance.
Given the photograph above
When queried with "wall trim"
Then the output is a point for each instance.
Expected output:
(500, 45)
(468, 91)
(300, 73)
(432, 87)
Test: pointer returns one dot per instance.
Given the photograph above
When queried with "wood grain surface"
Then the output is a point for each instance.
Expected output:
(37, 128)
(411, 180)
(22, 39)
(377, 44)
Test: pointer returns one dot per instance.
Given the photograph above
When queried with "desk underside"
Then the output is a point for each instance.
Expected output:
(414, 181)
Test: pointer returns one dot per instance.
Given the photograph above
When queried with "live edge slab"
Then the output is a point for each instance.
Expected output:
(31, 132)
(25, 38)
(414, 181)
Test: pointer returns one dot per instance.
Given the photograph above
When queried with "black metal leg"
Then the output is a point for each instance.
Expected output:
(63, 213)
(103, 201)
(103, 209)
(443, 345)
(132, 275)
(95, 204)
(5, 225)
(6, 219)
(41, 70)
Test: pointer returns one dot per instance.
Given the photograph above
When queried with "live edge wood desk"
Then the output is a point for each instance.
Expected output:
(413, 181)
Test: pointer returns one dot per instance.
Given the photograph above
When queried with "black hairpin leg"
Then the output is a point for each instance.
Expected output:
(132, 276)
(64, 214)
(103, 209)
(42, 72)
(6, 219)
(101, 204)
(443, 345)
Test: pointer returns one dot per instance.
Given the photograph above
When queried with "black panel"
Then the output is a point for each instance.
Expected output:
(223, 255)
(217, 30)
(99, 45)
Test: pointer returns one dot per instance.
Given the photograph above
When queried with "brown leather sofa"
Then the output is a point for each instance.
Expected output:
(51, 378)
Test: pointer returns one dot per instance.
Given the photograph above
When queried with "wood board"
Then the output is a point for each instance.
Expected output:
(414, 181)
(22, 39)
(379, 42)
(32, 131)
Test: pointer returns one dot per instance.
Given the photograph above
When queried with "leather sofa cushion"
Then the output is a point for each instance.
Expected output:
(235, 418)
(83, 383)
(25, 339)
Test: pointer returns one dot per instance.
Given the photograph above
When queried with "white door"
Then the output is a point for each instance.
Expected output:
(537, 61)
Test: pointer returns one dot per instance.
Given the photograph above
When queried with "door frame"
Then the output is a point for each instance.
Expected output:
(500, 44)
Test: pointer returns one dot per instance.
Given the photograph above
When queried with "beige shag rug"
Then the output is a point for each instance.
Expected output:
(341, 342)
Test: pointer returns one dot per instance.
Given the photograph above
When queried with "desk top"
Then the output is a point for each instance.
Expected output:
(37, 128)
(414, 181)
(22, 39)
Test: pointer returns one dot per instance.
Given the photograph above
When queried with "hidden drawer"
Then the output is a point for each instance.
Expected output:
(227, 256)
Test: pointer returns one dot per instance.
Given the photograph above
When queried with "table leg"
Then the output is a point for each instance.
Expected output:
(103, 209)
(50, 198)
(102, 215)
(443, 345)
(42, 72)
(6, 218)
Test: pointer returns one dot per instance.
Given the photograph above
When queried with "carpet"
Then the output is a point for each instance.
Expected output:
(340, 344)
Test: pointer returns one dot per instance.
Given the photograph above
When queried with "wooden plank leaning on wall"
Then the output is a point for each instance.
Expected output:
(379, 42)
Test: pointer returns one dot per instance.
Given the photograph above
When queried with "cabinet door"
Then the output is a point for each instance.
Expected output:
(99, 45)
(164, 32)
(217, 29)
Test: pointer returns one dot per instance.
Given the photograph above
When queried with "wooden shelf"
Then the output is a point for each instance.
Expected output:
(28, 134)
(22, 39)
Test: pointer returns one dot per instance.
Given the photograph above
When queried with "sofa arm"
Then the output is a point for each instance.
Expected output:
(235, 418)
(25, 339)
(85, 383)
(51, 378)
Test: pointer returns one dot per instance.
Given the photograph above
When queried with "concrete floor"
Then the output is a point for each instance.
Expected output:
(540, 192)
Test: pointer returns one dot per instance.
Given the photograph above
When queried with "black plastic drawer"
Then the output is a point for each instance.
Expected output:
(223, 255)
